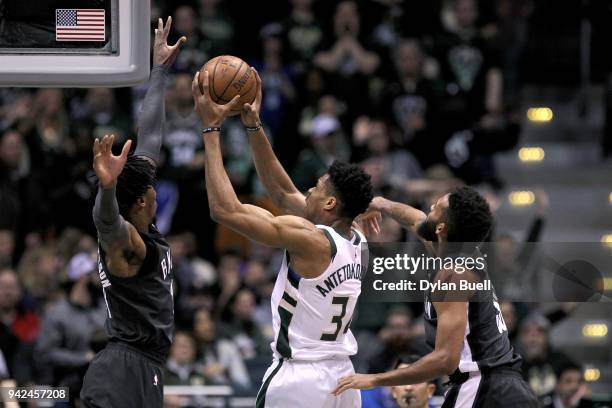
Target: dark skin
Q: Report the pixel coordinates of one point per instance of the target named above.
(299, 235)
(451, 308)
(124, 257)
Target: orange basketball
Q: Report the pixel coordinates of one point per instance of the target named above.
(229, 76)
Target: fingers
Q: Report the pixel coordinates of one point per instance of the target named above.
(167, 27)
(195, 86)
(343, 385)
(259, 96)
(96, 146)
(234, 103)
(179, 43)
(160, 27)
(126, 149)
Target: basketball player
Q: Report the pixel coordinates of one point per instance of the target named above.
(134, 260)
(320, 276)
(468, 334)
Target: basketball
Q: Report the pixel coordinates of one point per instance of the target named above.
(230, 76)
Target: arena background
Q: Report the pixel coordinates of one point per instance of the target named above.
(511, 96)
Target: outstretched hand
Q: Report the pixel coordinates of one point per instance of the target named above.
(106, 165)
(356, 381)
(164, 54)
(211, 114)
(250, 111)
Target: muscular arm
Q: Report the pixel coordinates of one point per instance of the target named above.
(285, 196)
(299, 236)
(152, 117)
(408, 217)
(452, 319)
(283, 193)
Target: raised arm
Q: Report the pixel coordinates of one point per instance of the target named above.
(408, 217)
(117, 237)
(153, 114)
(299, 236)
(283, 193)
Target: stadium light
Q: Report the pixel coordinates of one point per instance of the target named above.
(595, 330)
(607, 240)
(540, 114)
(592, 374)
(531, 154)
(610, 198)
(607, 284)
(521, 198)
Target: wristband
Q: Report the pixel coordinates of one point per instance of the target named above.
(253, 129)
(211, 129)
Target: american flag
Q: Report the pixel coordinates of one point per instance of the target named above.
(80, 25)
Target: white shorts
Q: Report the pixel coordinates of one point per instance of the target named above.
(308, 384)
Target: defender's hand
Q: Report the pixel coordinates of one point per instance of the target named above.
(211, 114)
(356, 381)
(106, 165)
(370, 222)
(163, 54)
(250, 111)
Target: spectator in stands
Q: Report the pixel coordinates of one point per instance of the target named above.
(346, 60)
(242, 328)
(514, 271)
(39, 270)
(196, 51)
(470, 67)
(19, 328)
(181, 178)
(411, 101)
(327, 144)
(396, 337)
(181, 368)
(401, 396)
(217, 26)
(72, 328)
(541, 364)
(302, 33)
(277, 86)
(374, 138)
(193, 275)
(571, 390)
(101, 111)
(220, 359)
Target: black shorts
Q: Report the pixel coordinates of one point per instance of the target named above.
(499, 388)
(121, 376)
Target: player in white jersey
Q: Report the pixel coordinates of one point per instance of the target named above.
(320, 278)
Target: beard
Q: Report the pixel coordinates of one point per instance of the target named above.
(427, 230)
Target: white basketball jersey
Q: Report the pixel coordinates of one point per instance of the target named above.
(311, 317)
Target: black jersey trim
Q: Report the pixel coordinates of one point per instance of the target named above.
(261, 395)
(332, 244)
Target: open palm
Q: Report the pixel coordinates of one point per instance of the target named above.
(162, 52)
(106, 165)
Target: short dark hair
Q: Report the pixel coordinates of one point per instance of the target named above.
(409, 359)
(134, 181)
(568, 366)
(469, 217)
(353, 186)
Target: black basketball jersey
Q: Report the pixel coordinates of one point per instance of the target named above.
(140, 309)
(486, 344)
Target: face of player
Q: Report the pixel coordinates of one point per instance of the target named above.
(414, 395)
(319, 202)
(434, 227)
(569, 383)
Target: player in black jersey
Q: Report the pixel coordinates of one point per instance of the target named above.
(465, 329)
(134, 260)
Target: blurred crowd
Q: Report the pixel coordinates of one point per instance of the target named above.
(422, 94)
